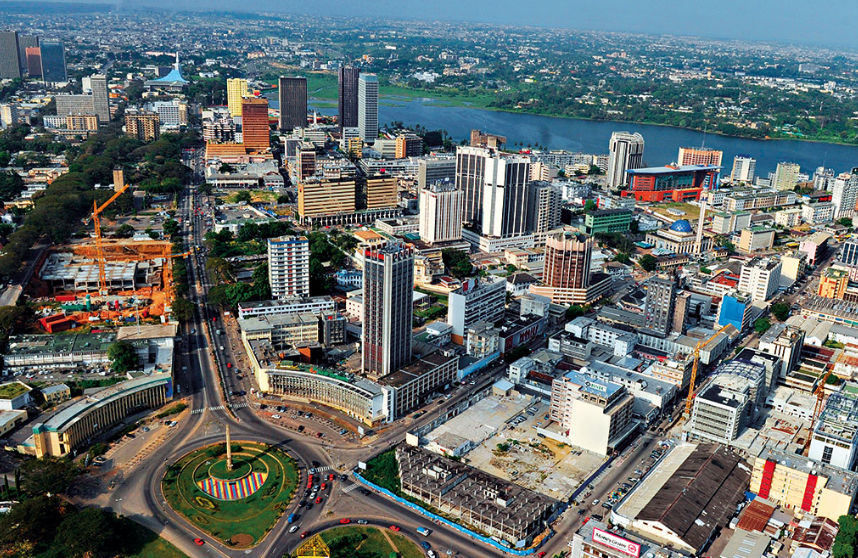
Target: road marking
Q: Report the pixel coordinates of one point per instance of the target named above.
(349, 488)
(220, 408)
(323, 469)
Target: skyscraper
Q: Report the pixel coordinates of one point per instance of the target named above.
(567, 260)
(388, 283)
(660, 304)
(10, 66)
(25, 42)
(699, 156)
(236, 90)
(347, 105)
(844, 194)
(470, 178)
(34, 61)
(53, 62)
(505, 196)
(544, 207)
(97, 86)
(440, 213)
(368, 107)
(786, 176)
(293, 102)
(289, 266)
(744, 168)
(254, 123)
(625, 152)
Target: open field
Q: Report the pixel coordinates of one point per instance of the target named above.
(345, 542)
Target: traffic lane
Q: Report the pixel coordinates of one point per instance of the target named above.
(294, 541)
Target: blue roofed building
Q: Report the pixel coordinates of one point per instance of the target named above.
(173, 81)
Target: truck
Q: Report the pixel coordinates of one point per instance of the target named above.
(423, 531)
(292, 518)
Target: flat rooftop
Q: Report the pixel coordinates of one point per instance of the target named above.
(839, 480)
(59, 343)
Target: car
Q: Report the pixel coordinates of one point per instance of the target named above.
(425, 545)
(580, 511)
(302, 503)
(199, 542)
(324, 486)
(314, 463)
(331, 476)
(319, 434)
(364, 491)
(394, 528)
(310, 506)
(345, 521)
(293, 528)
(541, 554)
(313, 468)
(596, 502)
(301, 428)
(305, 534)
(362, 521)
(344, 477)
(319, 500)
(276, 417)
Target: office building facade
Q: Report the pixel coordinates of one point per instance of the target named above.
(53, 55)
(441, 213)
(544, 207)
(760, 278)
(347, 96)
(660, 304)
(786, 176)
(293, 102)
(10, 66)
(567, 261)
(33, 60)
(254, 124)
(236, 90)
(699, 156)
(844, 194)
(96, 86)
(475, 301)
(388, 283)
(74, 104)
(744, 169)
(142, 125)
(471, 165)
(625, 152)
(368, 107)
(289, 266)
(27, 42)
(505, 196)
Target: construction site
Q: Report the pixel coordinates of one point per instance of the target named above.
(103, 282)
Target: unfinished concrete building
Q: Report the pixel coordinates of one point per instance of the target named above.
(66, 272)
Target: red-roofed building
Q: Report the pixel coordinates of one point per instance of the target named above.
(756, 516)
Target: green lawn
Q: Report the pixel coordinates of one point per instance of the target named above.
(369, 542)
(12, 390)
(238, 523)
(151, 545)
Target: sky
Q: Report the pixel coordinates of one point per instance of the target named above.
(821, 22)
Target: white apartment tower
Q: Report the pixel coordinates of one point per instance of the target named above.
(625, 152)
(441, 212)
(97, 85)
(289, 266)
(368, 107)
(760, 278)
(744, 169)
(844, 194)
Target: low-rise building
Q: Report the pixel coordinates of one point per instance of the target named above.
(282, 330)
(15, 395)
(56, 393)
(833, 440)
(288, 305)
(607, 221)
(756, 239)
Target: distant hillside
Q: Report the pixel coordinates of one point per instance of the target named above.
(52, 8)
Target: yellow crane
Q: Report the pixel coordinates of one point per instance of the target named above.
(99, 250)
(690, 400)
(817, 407)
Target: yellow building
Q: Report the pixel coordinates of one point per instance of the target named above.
(381, 192)
(326, 197)
(82, 122)
(803, 486)
(56, 394)
(236, 88)
(143, 125)
(833, 283)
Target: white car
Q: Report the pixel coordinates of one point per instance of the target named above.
(293, 528)
(596, 502)
(276, 416)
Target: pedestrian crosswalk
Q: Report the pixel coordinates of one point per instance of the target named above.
(219, 408)
(324, 468)
(349, 488)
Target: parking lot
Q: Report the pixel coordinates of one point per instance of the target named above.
(307, 423)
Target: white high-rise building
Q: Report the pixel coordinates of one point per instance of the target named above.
(744, 169)
(368, 107)
(786, 176)
(544, 207)
(760, 278)
(505, 196)
(823, 178)
(470, 178)
(97, 86)
(844, 194)
(625, 152)
(8, 115)
(441, 212)
(289, 266)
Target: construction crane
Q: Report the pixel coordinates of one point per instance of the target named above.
(697, 347)
(96, 211)
(817, 407)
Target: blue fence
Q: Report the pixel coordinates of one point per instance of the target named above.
(478, 365)
(447, 522)
(587, 482)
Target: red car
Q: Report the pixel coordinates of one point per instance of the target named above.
(541, 554)
(324, 486)
(319, 434)
(305, 534)
(319, 500)
(331, 477)
(394, 528)
(345, 521)
(199, 542)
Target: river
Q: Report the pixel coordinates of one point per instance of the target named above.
(661, 143)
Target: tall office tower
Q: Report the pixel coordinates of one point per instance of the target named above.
(849, 253)
(53, 62)
(823, 178)
(699, 156)
(236, 90)
(254, 123)
(660, 304)
(744, 169)
(681, 312)
(544, 207)
(347, 98)
(786, 176)
(844, 194)
(567, 260)
(293, 102)
(505, 196)
(33, 57)
(97, 85)
(470, 178)
(10, 66)
(368, 107)
(625, 152)
(25, 42)
(289, 266)
(142, 125)
(388, 284)
(441, 213)
(441, 168)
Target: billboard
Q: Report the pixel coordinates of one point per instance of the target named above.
(617, 543)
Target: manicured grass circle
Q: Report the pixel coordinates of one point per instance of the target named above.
(241, 467)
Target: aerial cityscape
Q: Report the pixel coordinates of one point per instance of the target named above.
(301, 285)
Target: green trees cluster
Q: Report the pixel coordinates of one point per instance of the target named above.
(458, 263)
(230, 295)
(648, 262)
(846, 543)
(780, 310)
(123, 357)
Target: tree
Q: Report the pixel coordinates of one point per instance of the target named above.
(594, 170)
(457, 262)
(762, 325)
(243, 197)
(89, 532)
(780, 310)
(575, 311)
(648, 262)
(516, 353)
(217, 295)
(123, 357)
(183, 309)
(590, 206)
(634, 227)
(847, 538)
(49, 475)
(283, 198)
(845, 221)
(171, 227)
(34, 520)
(125, 231)
(10, 185)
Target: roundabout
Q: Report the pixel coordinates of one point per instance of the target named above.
(237, 496)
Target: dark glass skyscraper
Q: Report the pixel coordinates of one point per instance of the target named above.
(10, 64)
(348, 97)
(293, 102)
(25, 42)
(53, 62)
